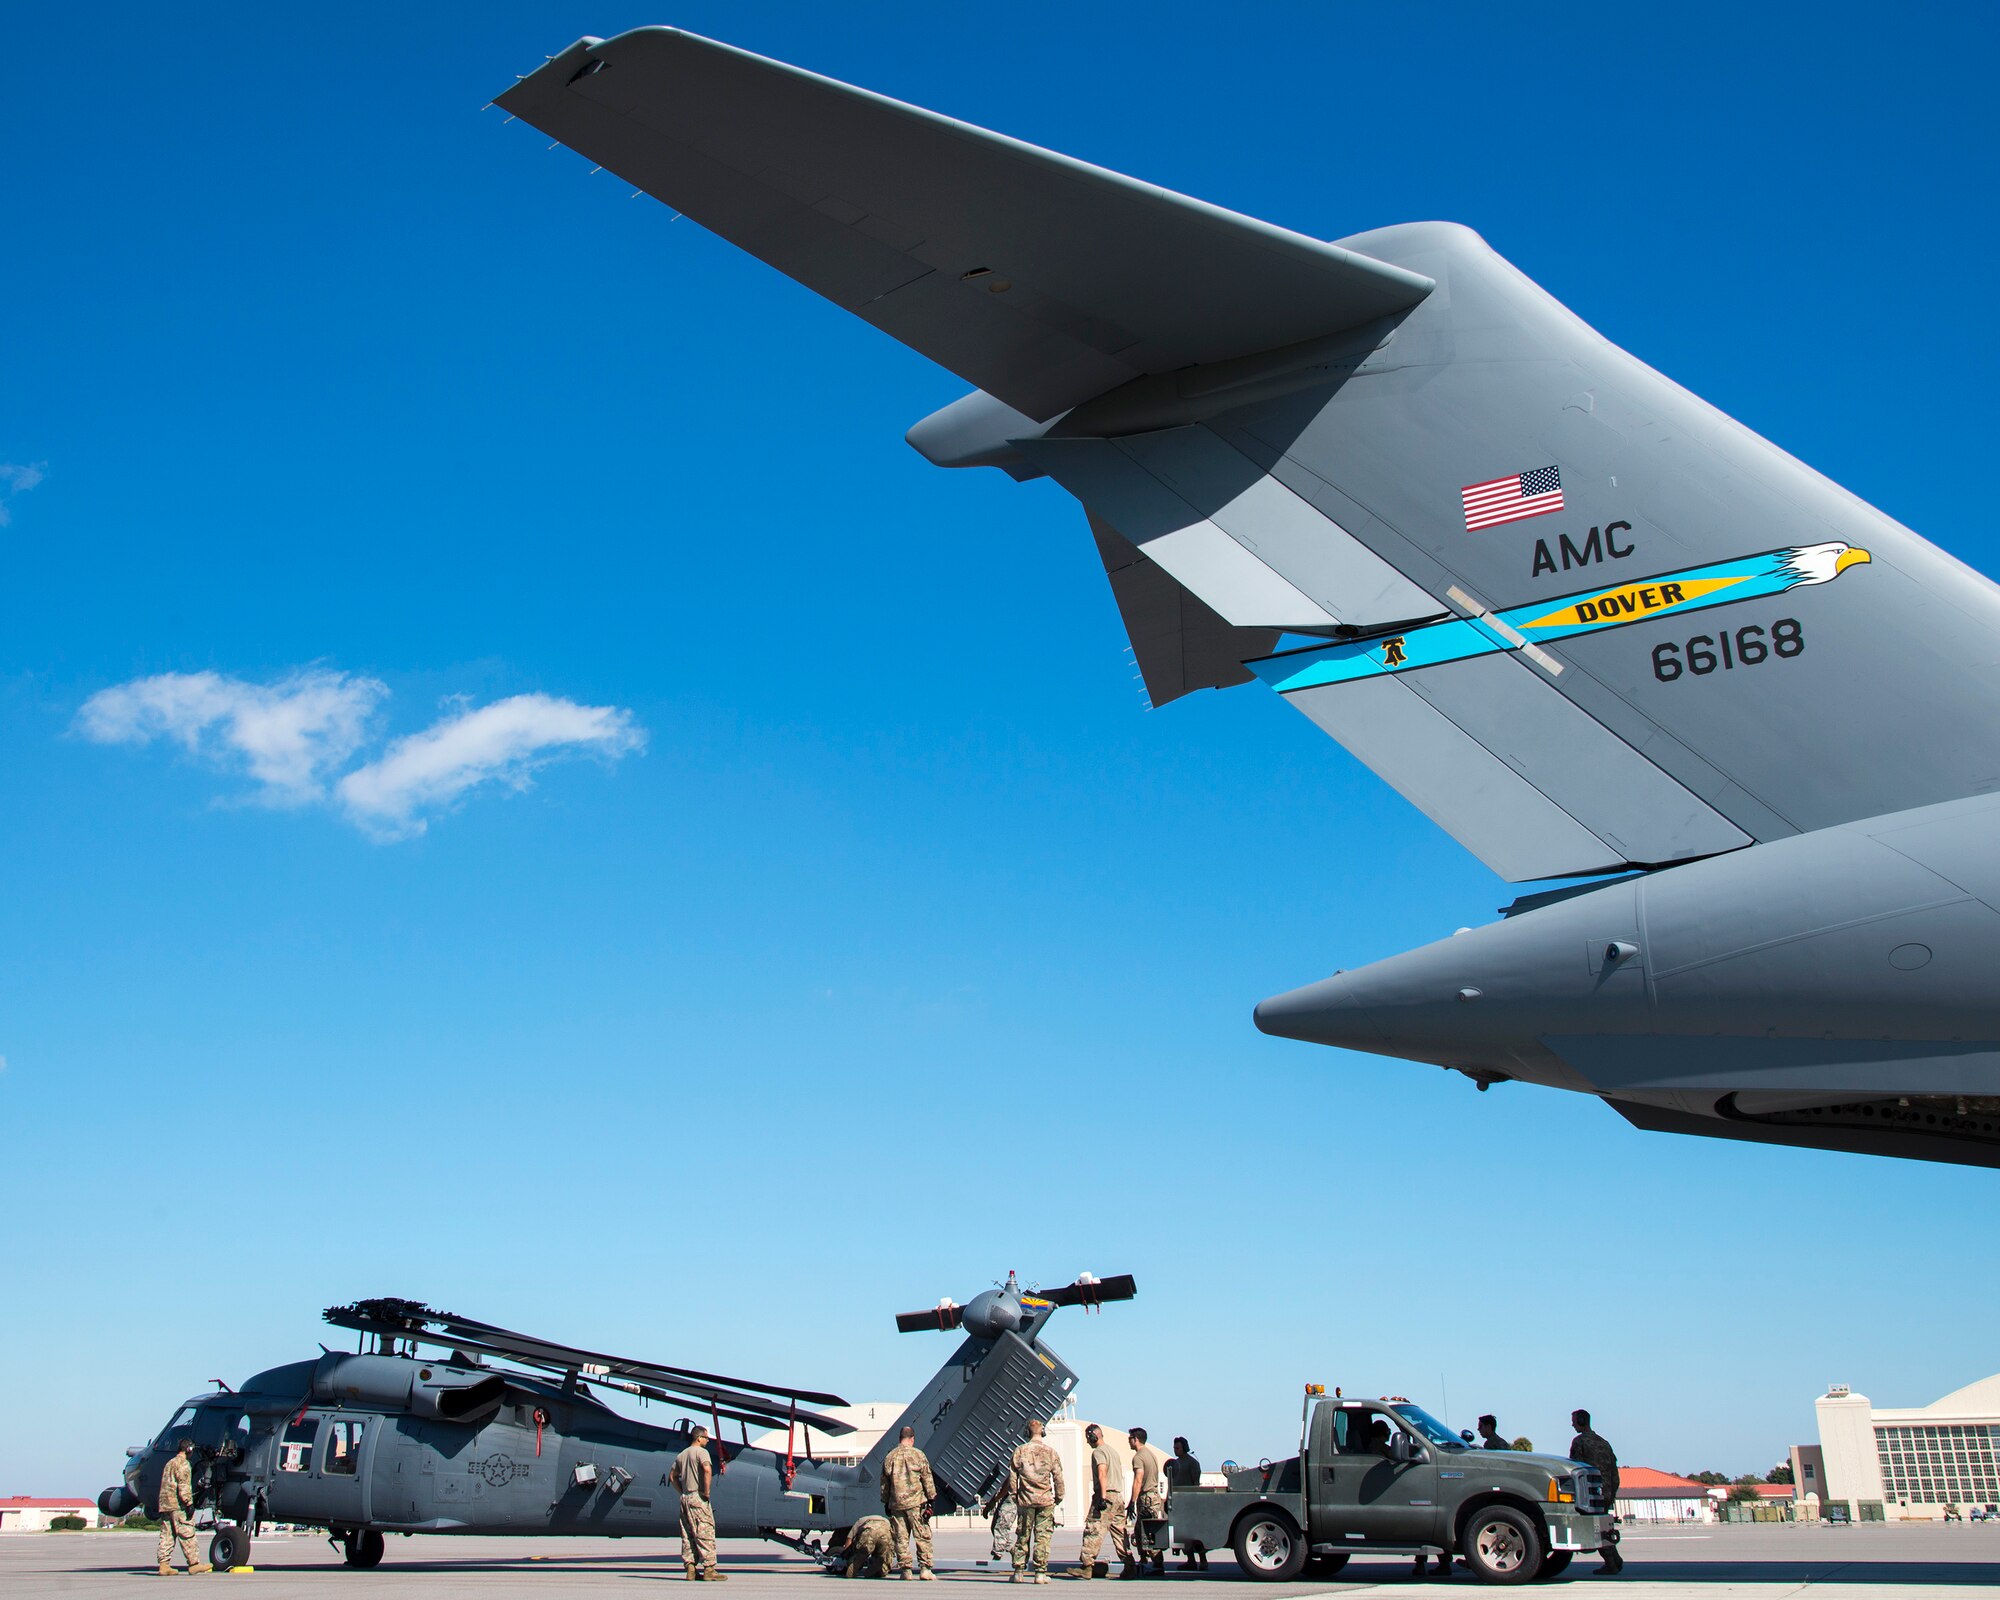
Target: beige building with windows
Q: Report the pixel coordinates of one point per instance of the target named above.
(1909, 1464)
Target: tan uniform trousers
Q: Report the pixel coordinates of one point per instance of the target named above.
(175, 1525)
(914, 1526)
(697, 1536)
(1107, 1516)
(1031, 1538)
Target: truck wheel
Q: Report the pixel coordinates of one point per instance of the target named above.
(1269, 1548)
(1324, 1566)
(1556, 1563)
(363, 1549)
(230, 1547)
(1502, 1546)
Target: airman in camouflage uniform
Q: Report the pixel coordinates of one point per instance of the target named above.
(1107, 1504)
(176, 1508)
(1001, 1513)
(1036, 1482)
(1594, 1450)
(907, 1492)
(869, 1548)
(692, 1477)
(1149, 1502)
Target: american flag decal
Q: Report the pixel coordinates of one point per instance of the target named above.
(1511, 499)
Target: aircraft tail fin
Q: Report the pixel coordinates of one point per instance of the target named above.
(1582, 620)
(970, 1417)
(1040, 279)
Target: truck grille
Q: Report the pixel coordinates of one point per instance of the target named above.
(1590, 1490)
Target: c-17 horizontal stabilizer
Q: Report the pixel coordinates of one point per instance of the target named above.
(1041, 279)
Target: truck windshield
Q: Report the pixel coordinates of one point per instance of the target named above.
(1429, 1426)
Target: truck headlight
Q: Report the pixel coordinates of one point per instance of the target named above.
(1562, 1491)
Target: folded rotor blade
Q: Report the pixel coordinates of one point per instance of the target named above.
(1121, 1287)
(931, 1321)
(410, 1319)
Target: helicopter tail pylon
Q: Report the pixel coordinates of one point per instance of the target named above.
(970, 1416)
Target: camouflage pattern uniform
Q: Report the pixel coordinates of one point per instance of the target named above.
(176, 1502)
(1037, 1484)
(870, 1548)
(1107, 1510)
(692, 1476)
(1149, 1500)
(1000, 1512)
(907, 1491)
(1594, 1450)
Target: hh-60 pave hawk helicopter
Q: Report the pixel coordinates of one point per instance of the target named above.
(382, 1440)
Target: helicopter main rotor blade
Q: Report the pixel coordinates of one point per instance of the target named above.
(1121, 1287)
(945, 1317)
(411, 1319)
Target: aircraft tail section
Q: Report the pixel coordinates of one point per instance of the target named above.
(970, 1416)
(1581, 619)
(1578, 617)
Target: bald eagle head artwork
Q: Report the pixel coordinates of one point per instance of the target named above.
(1816, 563)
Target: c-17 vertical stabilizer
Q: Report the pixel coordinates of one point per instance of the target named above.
(1584, 621)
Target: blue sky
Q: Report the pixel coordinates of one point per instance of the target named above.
(730, 891)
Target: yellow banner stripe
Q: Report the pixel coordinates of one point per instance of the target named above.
(1632, 600)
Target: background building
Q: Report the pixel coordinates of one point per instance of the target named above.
(1911, 1463)
(24, 1513)
(1648, 1495)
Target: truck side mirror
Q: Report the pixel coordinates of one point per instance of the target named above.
(1403, 1448)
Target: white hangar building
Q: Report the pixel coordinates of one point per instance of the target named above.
(1911, 1463)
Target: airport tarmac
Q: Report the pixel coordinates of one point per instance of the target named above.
(1932, 1561)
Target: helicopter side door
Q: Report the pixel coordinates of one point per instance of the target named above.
(324, 1464)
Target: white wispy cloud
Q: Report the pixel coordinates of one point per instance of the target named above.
(288, 736)
(292, 738)
(502, 743)
(18, 478)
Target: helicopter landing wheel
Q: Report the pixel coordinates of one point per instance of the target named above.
(230, 1547)
(362, 1549)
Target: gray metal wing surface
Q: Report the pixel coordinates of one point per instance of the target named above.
(1041, 279)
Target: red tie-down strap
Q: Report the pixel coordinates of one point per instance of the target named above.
(541, 1421)
(715, 1433)
(791, 1463)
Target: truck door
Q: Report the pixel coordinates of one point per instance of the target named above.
(1361, 1494)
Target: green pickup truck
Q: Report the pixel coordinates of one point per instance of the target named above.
(1386, 1476)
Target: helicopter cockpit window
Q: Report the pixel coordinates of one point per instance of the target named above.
(343, 1446)
(295, 1453)
(183, 1420)
(215, 1426)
